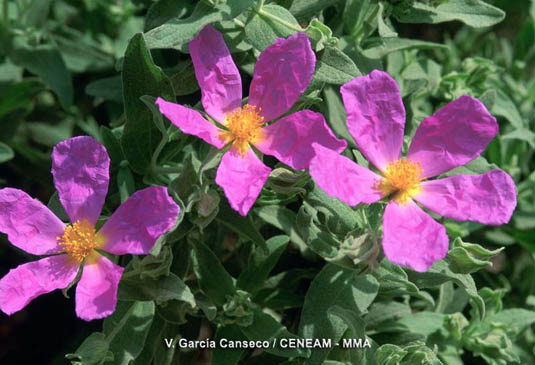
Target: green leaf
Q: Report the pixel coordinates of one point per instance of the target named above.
(382, 27)
(184, 80)
(414, 353)
(360, 18)
(155, 342)
(424, 323)
(475, 13)
(242, 225)
(505, 107)
(466, 258)
(383, 311)
(185, 185)
(125, 183)
(175, 33)
(357, 328)
(18, 96)
(227, 356)
(394, 282)
(113, 145)
(154, 266)
(319, 241)
(10, 72)
(339, 217)
(141, 77)
(55, 206)
(109, 88)
(491, 342)
(284, 219)
(48, 64)
(238, 309)
(214, 280)
(335, 67)
(268, 24)
(162, 289)
(127, 329)
(390, 45)
(261, 263)
(36, 13)
(475, 167)
(440, 273)
(50, 135)
(521, 134)
(266, 328)
(335, 114)
(334, 285)
(320, 35)
(303, 9)
(516, 319)
(94, 350)
(6, 153)
(164, 10)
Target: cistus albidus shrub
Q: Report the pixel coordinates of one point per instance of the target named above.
(267, 182)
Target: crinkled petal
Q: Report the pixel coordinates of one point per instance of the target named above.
(375, 116)
(216, 73)
(242, 178)
(96, 292)
(290, 138)
(136, 225)
(26, 282)
(342, 178)
(190, 121)
(488, 198)
(29, 224)
(453, 136)
(411, 237)
(281, 74)
(80, 167)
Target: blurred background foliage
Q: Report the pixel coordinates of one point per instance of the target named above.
(77, 67)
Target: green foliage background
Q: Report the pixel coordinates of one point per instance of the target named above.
(301, 264)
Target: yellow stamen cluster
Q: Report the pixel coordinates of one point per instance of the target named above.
(244, 127)
(79, 239)
(403, 178)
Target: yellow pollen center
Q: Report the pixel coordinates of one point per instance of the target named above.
(79, 239)
(403, 178)
(244, 127)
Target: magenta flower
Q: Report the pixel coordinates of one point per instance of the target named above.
(282, 73)
(80, 169)
(453, 136)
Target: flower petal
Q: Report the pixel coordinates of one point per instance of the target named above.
(26, 282)
(80, 167)
(96, 292)
(411, 237)
(216, 73)
(281, 74)
(242, 178)
(290, 138)
(375, 116)
(190, 121)
(342, 178)
(453, 136)
(488, 198)
(136, 225)
(29, 224)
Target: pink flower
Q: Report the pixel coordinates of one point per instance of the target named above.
(282, 73)
(453, 136)
(80, 169)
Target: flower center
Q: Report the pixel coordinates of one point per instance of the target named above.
(402, 177)
(244, 128)
(79, 239)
